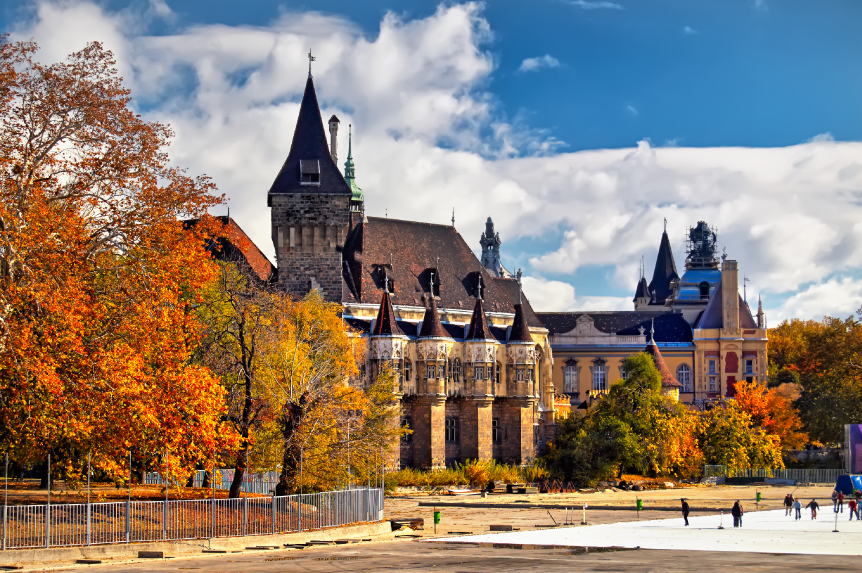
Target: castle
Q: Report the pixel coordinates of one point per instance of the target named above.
(474, 362)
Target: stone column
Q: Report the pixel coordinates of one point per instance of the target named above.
(518, 433)
(476, 429)
(429, 438)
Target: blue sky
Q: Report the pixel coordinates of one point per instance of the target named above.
(743, 112)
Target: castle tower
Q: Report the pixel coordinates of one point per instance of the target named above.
(491, 242)
(310, 208)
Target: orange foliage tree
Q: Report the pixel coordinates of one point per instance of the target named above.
(97, 274)
(772, 412)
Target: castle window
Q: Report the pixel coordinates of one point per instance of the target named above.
(452, 428)
(600, 377)
(495, 430)
(570, 375)
(309, 172)
(531, 375)
(456, 371)
(480, 373)
(683, 375)
(408, 366)
(704, 290)
(712, 378)
(431, 371)
(443, 370)
(497, 372)
(749, 367)
(519, 374)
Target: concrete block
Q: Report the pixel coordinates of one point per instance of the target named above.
(151, 554)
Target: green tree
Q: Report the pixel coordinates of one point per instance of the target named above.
(727, 437)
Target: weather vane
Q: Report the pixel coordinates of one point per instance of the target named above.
(310, 59)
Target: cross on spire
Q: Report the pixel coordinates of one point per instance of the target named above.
(453, 216)
(310, 59)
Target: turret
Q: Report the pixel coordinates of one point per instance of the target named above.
(664, 277)
(761, 318)
(491, 242)
(333, 138)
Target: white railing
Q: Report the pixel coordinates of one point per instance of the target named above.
(815, 476)
(60, 525)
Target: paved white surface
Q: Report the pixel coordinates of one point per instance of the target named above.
(763, 532)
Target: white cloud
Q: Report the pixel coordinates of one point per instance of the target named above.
(415, 96)
(760, 5)
(535, 64)
(839, 297)
(821, 138)
(593, 4)
(632, 110)
(690, 31)
(161, 9)
(549, 296)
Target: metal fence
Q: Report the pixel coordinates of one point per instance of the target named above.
(263, 482)
(815, 476)
(27, 526)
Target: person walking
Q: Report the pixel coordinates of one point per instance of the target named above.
(858, 495)
(854, 509)
(685, 510)
(835, 501)
(736, 512)
(788, 504)
(813, 506)
(797, 505)
(841, 501)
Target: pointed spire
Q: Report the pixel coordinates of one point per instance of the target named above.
(350, 170)
(310, 59)
(665, 272)
(386, 324)
(761, 318)
(668, 380)
(479, 329)
(520, 330)
(309, 146)
(453, 216)
(431, 326)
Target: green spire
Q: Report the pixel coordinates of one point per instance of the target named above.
(349, 172)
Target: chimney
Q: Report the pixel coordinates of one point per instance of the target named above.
(730, 295)
(333, 138)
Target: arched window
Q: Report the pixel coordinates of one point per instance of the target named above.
(497, 372)
(456, 371)
(683, 376)
(704, 290)
(571, 378)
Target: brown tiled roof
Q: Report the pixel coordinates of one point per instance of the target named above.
(386, 323)
(667, 379)
(431, 326)
(413, 249)
(309, 144)
(713, 314)
(669, 326)
(511, 288)
(233, 245)
(520, 331)
(479, 324)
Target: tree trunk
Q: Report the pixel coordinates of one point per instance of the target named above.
(207, 479)
(291, 459)
(236, 484)
(43, 475)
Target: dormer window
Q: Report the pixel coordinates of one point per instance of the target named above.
(309, 172)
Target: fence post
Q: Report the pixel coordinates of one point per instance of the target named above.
(299, 511)
(48, 508)
(244, 515)
(5, 500)
(273, 515)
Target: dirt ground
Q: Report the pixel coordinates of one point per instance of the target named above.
(476, 514)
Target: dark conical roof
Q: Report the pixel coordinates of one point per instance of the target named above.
(642, 290)
(431, 327)
(309, 144)
(479, 329)
(664, 273)
(386, 324)
(667, 378)
(520, 331)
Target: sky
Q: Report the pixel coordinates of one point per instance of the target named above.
(579, 126)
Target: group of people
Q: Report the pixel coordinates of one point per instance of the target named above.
(794, 506)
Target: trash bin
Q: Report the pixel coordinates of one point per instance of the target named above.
(758, 497)
(640, 504)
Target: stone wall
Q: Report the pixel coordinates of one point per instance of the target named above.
(308, 232)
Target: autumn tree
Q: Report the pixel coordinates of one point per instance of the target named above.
(727, 436)
(309, 359)
(773, 412)
(826, 358)
(97, 274)
(239, 310)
